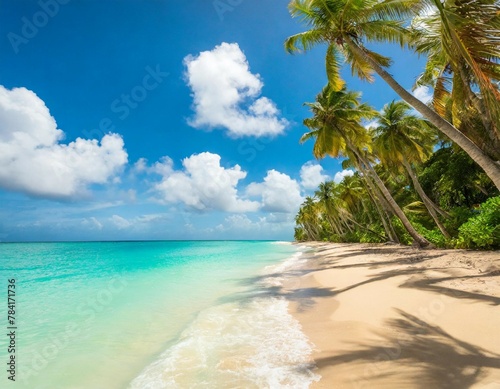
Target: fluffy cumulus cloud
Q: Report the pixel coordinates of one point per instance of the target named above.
(339, 176)
(279, 192)
(311, 175)
(32, 159)
(203, 184)
(226, 94)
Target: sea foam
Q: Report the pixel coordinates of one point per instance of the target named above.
(252, 342)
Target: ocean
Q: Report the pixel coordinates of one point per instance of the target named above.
(151, 315)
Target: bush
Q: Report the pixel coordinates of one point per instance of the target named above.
(483, 230)
(434, 236)
(459, 216)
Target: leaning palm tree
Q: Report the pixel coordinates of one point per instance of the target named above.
(344, 25)
(462, 42)
(308, 219)
(402, 140)
(330, 207)
(350, 195)
(376, 198)
(337, 131)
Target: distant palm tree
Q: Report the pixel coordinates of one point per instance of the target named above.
(344, 24)
(307, 218)
(403, 139)
(337, 131)
(330, 207)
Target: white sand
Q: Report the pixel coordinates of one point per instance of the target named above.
(396, 317)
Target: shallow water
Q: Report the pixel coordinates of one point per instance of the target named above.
(154, 315)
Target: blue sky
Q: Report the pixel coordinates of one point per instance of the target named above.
(159, 119)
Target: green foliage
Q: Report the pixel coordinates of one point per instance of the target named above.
(483, 230)
(453, 179)
(403, 235)
(368, 237)
(299, 235)
(434, 236)
(458, 216)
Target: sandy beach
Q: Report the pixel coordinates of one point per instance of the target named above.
(389, 316)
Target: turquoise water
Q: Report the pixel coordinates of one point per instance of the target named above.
(153, 315)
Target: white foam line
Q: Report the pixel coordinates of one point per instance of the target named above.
(259, 345)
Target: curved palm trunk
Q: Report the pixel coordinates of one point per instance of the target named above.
(422, 194)
(490, 167)
(424, 198)
(384, 217)
(334, 224)
(365, 228)
(418, 239)
(308, 228)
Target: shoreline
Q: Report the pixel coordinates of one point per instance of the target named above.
(391, 316)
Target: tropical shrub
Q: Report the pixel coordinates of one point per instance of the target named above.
(482, 231)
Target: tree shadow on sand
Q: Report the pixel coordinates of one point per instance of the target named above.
(271, 285)
(429, 357)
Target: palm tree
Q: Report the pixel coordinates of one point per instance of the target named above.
(344, 24)
(382, 207)
(336, 127)
(462, 39)
(349, 195)
(403, 139)
(330, 207)
(462, 44)
(307, 218)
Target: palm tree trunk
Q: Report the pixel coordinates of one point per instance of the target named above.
(382, 213)
(333, 224)
(422, 194)
(490, 167)
(366, 228)
(381, 209)
(417, 238)
(424, 198)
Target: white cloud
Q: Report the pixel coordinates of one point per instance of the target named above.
(226, 94)
(423, 93)
(273, 222)
(339, 176)
(152, 218)
(371, 124)
(32, 159)
(92, 223)
(240, 222)
(311, 175)
(140, 166)
(203, 184)
(120, 222)
(279, 192)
